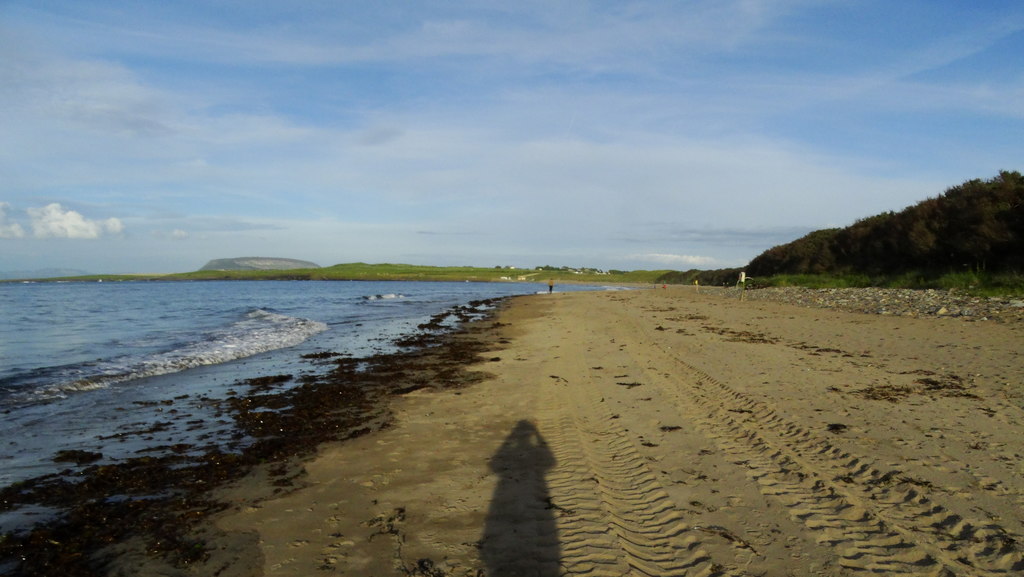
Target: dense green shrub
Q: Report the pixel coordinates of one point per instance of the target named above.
(974, 228)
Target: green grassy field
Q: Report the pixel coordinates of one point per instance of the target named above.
(401, 272)
(980, 284)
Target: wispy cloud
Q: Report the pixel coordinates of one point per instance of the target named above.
(581, 34)
(675, 260)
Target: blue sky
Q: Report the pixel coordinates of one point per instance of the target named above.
(151, 136)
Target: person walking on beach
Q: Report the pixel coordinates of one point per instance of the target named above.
(551, 285)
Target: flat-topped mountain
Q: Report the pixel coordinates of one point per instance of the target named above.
(257, 263)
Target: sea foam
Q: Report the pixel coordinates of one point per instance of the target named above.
(260, 331)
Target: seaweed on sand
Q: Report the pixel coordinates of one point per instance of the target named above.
(162, 501)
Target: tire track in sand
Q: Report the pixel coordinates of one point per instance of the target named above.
(614, 516)
(876, 520)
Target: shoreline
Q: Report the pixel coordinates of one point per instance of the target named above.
(280, 420)
(730, 437)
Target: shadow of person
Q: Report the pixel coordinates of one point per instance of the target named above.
(520, 537)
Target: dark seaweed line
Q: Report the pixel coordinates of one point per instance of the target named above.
(162, 499)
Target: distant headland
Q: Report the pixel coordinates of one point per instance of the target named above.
(257, 263)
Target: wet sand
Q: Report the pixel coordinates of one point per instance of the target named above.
(660, 432)
(148, 514)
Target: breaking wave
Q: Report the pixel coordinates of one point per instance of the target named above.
(258, 332)
(389, 296)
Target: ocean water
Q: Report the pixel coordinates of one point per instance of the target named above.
(99, 367)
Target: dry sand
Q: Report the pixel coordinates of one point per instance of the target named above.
(660, 432)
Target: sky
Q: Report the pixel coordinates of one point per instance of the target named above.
(148, 136)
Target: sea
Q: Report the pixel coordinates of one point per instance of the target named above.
(124, 369)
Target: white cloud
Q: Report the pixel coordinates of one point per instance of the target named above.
(178, 234)
(55, 221)
(9, 229)
(674, 259)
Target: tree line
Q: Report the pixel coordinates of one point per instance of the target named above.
(977, 226)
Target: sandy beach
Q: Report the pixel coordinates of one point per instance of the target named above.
(663, 432)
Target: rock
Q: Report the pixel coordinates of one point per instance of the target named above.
(890, 302)
(77, 457)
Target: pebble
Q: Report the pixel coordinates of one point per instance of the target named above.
(895, 302)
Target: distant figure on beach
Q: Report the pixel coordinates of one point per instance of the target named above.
(551, 285)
